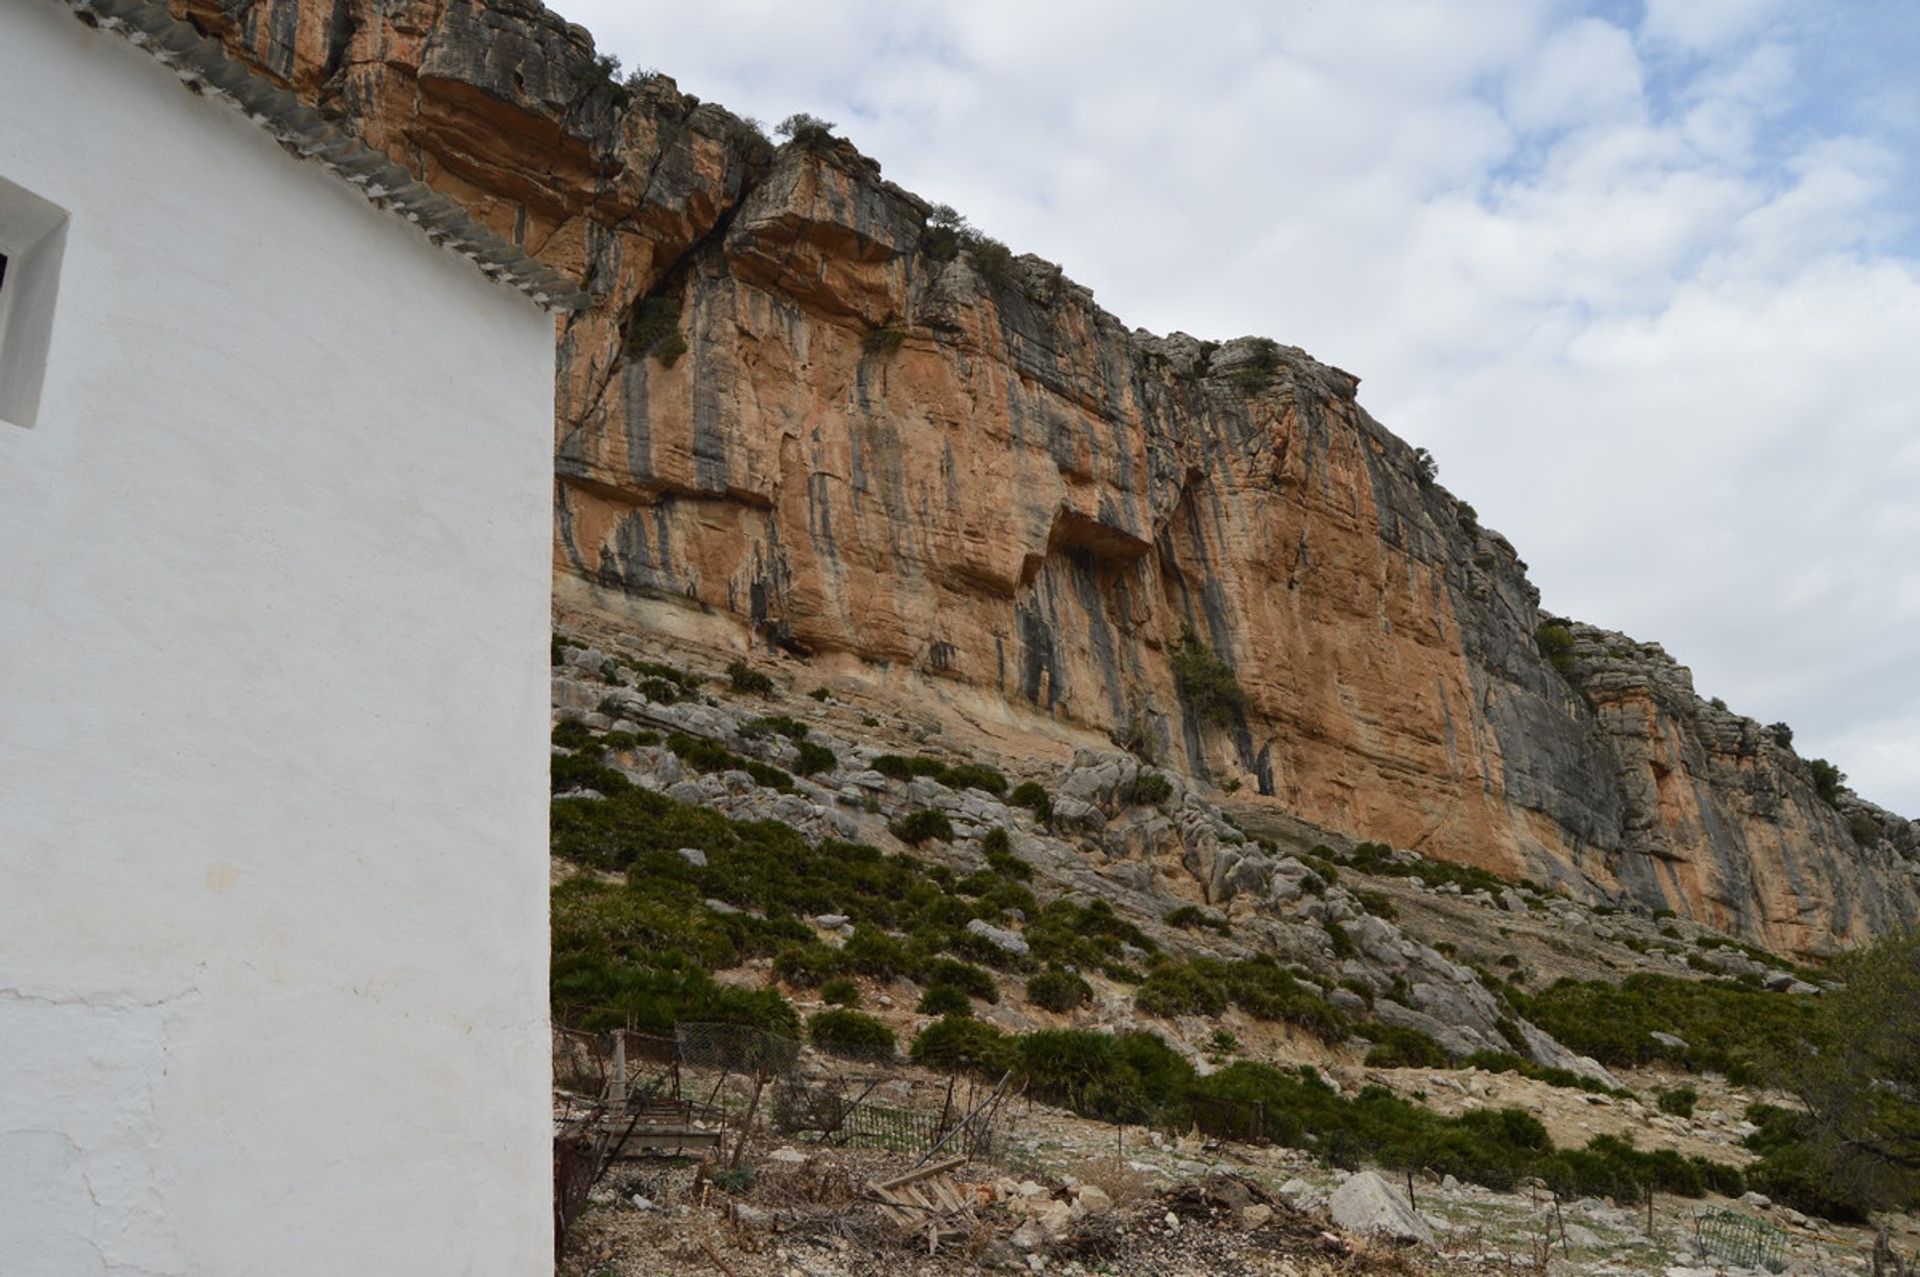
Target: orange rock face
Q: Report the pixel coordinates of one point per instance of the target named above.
(797, 411)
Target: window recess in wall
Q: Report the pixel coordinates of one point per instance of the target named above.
(33, 238)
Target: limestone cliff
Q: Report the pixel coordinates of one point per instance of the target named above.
(799, 407)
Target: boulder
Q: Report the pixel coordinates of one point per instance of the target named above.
(999, 937)
(1368, 1205)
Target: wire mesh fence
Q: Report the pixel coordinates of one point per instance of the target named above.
(736, 1048)
(1740, 1239)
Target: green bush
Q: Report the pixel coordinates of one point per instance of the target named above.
(851, 1033)
(1174, 988)
(917, 827)
(1128, 1077)
(1206, 683)
(705, 755)
(1828, 780)
(964, 976)
(1033, 796)
(973, 776)
(872, 952)
(1194, 918)
(571, 733)
(1377, 904)
(1149, 789)
(774, 725)
(883, 341)
(1057, 990)
(944, 999)
(1396, 1047)
(1729, 1028)
(805, 965)
(1677, 1100)
(961, 1042)
(813, 759)
(806, 130)
(744, 678)
(1555, 642)
(653, 328)
(840, 992)
(952, 775)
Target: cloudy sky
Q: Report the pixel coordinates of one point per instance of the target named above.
(1643, 275)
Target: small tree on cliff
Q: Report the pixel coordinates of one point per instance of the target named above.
(806, 130)
(1861, 1131)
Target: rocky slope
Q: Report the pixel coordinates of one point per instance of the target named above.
(799, 416)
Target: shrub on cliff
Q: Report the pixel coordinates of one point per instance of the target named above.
(1555, 642)
(1827, 780)
(653, 328)
(854, 1034)
(944, 1000)
(744, 678)
(917, 827)
(811, 759)
(1057, 990)
(1395, 1047)
(1149, 789)
(1194, 918)
(1206, 683)
(961, 1042)
(806, 130)
(1033, 796)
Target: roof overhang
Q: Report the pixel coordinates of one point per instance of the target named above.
(203, 64)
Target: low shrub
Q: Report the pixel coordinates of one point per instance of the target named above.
(1194, 918)
(854, 1034)
(917, 827)
(961, 1042)
(1033, 796)
(1206, 683)
(774, 725)
(744, 678)
(1729, 1027)
(812, 759)
(944, 999)
(1677, 1100)
(840, 992)
(1396, 1047)
(1058, 990)
(1149, 789)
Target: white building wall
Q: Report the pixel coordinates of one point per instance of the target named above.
(274, 564)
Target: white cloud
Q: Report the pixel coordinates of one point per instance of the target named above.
(1649, 318)
(1706, 26)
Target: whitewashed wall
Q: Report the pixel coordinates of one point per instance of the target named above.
(273, 613)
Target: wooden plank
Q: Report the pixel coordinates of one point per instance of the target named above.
(921, 1173)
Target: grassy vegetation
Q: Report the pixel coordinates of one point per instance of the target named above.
(745, 679)
(1395, 1047)
(705, 755)
(641, 951)
(1259, 986)
(1058, 990)
(1194, 918)
(1555, 642)
(854, 1034)
(1495, 1147)
(1149, 789)
(1034, 797)
(952, 775)
(1378, 859)
(1729, 1027)
(922, 826)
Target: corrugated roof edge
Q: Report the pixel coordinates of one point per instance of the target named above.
(203, 64)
